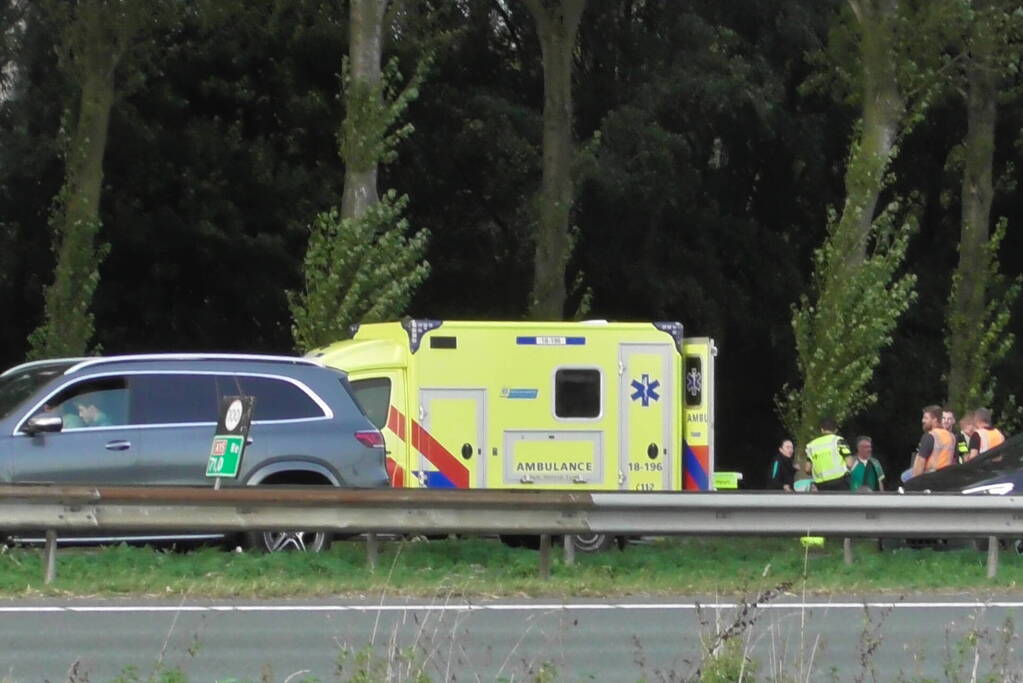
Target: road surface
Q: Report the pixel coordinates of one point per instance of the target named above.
(600, 640)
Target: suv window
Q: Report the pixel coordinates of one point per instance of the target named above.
(276, 399)
(99, 402)
(17, 387)
(577, 393)
(174, 399)
(374, 396)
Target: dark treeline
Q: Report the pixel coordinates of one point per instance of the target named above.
(711, 146)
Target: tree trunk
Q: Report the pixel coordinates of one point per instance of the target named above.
(967, 308)
(883, 108)
(365, 49)
(68, 325)
(557, 23)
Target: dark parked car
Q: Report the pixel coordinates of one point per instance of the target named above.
(150, 419)
(996, 472)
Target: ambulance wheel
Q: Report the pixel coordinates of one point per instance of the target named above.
(593, 543)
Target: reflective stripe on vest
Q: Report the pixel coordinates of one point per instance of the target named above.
(943, 453)
(989, 438)
(824, 453)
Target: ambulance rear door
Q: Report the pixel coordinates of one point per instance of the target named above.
(647, 406)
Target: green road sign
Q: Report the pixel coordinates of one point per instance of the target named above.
(230, 436)
(225, 456)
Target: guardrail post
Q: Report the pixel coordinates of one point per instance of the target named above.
(992, 557)
(50, 556)
(545, 556)
(372, 548)
(847, 550)
(569, 550)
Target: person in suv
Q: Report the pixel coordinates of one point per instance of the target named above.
(150, 419)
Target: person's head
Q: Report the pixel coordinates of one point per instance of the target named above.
(864, 447)
(982, 418)
(948, 418)
(786, 448)
(931, 418)
(966, 425)
(828, 425)
(88, 411)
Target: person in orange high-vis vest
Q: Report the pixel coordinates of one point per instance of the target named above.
(985, 437)
(937, 446)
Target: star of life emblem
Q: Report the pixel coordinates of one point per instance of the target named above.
(646, 390)
(694, 382)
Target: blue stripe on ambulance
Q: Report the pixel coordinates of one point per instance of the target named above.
(434, 479)
(550, 341)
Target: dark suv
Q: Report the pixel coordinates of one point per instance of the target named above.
(150, 419)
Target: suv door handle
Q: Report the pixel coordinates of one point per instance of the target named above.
(118, 445)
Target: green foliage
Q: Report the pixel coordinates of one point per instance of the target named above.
(366, 267)
(840, 331)
(370, 133)
(68, 322)
(363, 269)
(920, 41)
(728, 665)
(365, 665)
(978, 340)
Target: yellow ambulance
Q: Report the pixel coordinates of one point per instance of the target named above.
(592, 405)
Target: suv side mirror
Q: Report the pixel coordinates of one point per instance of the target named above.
(43, 423)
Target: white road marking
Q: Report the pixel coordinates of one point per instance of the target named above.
(501, 607)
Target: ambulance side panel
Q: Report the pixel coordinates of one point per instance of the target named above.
(517, 407)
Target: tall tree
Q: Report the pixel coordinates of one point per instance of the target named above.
(95, 36)
(363, 133)
(361, 264)
(980, 304)
(858, 295)
(557, 22)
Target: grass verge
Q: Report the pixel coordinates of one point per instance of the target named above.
(481, 568)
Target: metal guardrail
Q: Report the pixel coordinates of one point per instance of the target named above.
(57, 509)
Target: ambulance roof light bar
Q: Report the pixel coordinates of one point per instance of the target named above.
(417, 329)
(673, 329)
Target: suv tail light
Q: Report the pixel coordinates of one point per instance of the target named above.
(370, 438)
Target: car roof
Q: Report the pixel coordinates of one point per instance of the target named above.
(78, 364)
(41, 364)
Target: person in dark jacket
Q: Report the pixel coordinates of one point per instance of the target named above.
(783, 467)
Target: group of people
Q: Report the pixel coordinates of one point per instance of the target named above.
(829, 464)
(942, 445)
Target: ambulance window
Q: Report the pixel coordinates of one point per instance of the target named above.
(374, 396)
(577, 393)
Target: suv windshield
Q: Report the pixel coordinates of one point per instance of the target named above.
(17, 386)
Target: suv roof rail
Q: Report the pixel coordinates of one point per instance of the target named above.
(36, 363)
(101, 360)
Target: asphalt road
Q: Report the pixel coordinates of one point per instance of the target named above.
(590, 640)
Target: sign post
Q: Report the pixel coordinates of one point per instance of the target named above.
(229, 439)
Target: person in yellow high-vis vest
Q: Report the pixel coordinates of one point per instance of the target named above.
(828, 455)
(937, 448)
